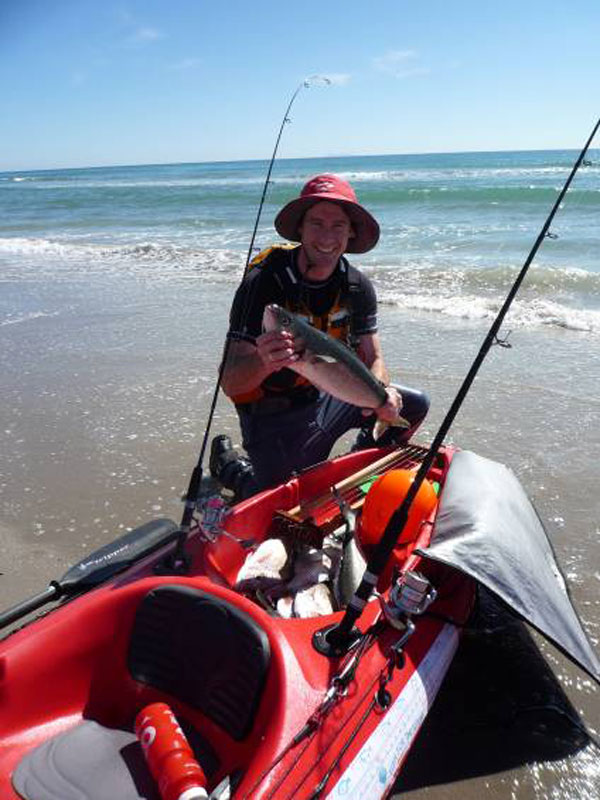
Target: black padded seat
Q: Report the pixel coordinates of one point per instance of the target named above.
(203, 651)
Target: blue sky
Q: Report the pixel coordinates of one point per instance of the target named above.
(86, 83)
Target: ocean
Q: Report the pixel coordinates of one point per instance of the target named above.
(456, 228)
(115, 285)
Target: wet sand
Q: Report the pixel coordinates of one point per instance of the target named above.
(103, 409)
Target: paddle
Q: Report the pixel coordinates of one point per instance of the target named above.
(99, 566)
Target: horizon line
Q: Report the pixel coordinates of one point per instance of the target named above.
(288, 158)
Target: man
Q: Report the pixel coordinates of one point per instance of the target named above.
(287, 424)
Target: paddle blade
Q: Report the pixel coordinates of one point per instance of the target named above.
(118, 555)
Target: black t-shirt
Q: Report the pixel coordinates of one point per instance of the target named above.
(264, 285)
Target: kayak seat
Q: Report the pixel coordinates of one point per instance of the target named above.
(203, 651)
(93, 762)
(87, 762)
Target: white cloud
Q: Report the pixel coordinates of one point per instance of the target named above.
(400, 63)
(185, 64)
(144, 34)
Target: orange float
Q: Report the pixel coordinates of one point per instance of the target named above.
(384, 497)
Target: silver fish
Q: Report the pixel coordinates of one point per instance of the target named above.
(350, 574)
(328, 364)
(350, 565)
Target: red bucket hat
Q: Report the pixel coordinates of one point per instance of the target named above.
(336, 190)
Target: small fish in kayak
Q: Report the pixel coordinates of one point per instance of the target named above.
(328, 364)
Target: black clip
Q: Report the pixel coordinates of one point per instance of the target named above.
(550, 235)
(587, 163)
(503, 342)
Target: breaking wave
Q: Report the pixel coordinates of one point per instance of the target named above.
(523, 313)
(56, 259)
(559, 297)
(17, 319)
(553, 297)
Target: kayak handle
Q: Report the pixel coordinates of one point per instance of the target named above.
(52, 592)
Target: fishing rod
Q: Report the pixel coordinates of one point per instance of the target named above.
(179, 559)
(338, 639)
(306, 84)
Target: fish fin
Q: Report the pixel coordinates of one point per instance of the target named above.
(379, 429)
(319, 359)
(381, 426)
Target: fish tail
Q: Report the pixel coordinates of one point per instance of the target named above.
(379, 429)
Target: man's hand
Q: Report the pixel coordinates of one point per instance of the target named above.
(390, 410)
(277, 349)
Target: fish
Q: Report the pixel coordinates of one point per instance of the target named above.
(350, 565)
(329, 364)
(352, 569)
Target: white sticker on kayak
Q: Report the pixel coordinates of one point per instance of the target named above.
(372, 770)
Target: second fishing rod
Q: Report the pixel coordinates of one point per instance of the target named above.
(342, 636)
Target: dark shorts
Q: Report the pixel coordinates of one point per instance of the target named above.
(284, 442)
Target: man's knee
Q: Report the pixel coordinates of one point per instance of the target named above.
(415, 403)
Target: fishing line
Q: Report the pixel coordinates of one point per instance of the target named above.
(322, 785)
(341, 636)
(313, 80)
(178, 559)
(314, 723)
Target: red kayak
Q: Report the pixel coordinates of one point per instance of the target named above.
(235, 633)
(268, 711)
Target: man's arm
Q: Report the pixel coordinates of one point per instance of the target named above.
(249, 364)
(370, 352)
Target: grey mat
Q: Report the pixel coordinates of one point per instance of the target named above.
(87, 762)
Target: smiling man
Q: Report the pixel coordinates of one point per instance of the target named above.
(287, 423)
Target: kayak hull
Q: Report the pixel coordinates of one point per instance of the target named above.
(282, 726)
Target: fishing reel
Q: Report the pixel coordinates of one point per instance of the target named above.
(411, 595)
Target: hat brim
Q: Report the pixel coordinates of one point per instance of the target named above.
(366, 228)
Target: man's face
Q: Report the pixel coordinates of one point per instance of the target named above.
(324, 236)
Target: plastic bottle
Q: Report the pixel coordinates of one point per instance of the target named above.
(169, 755)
